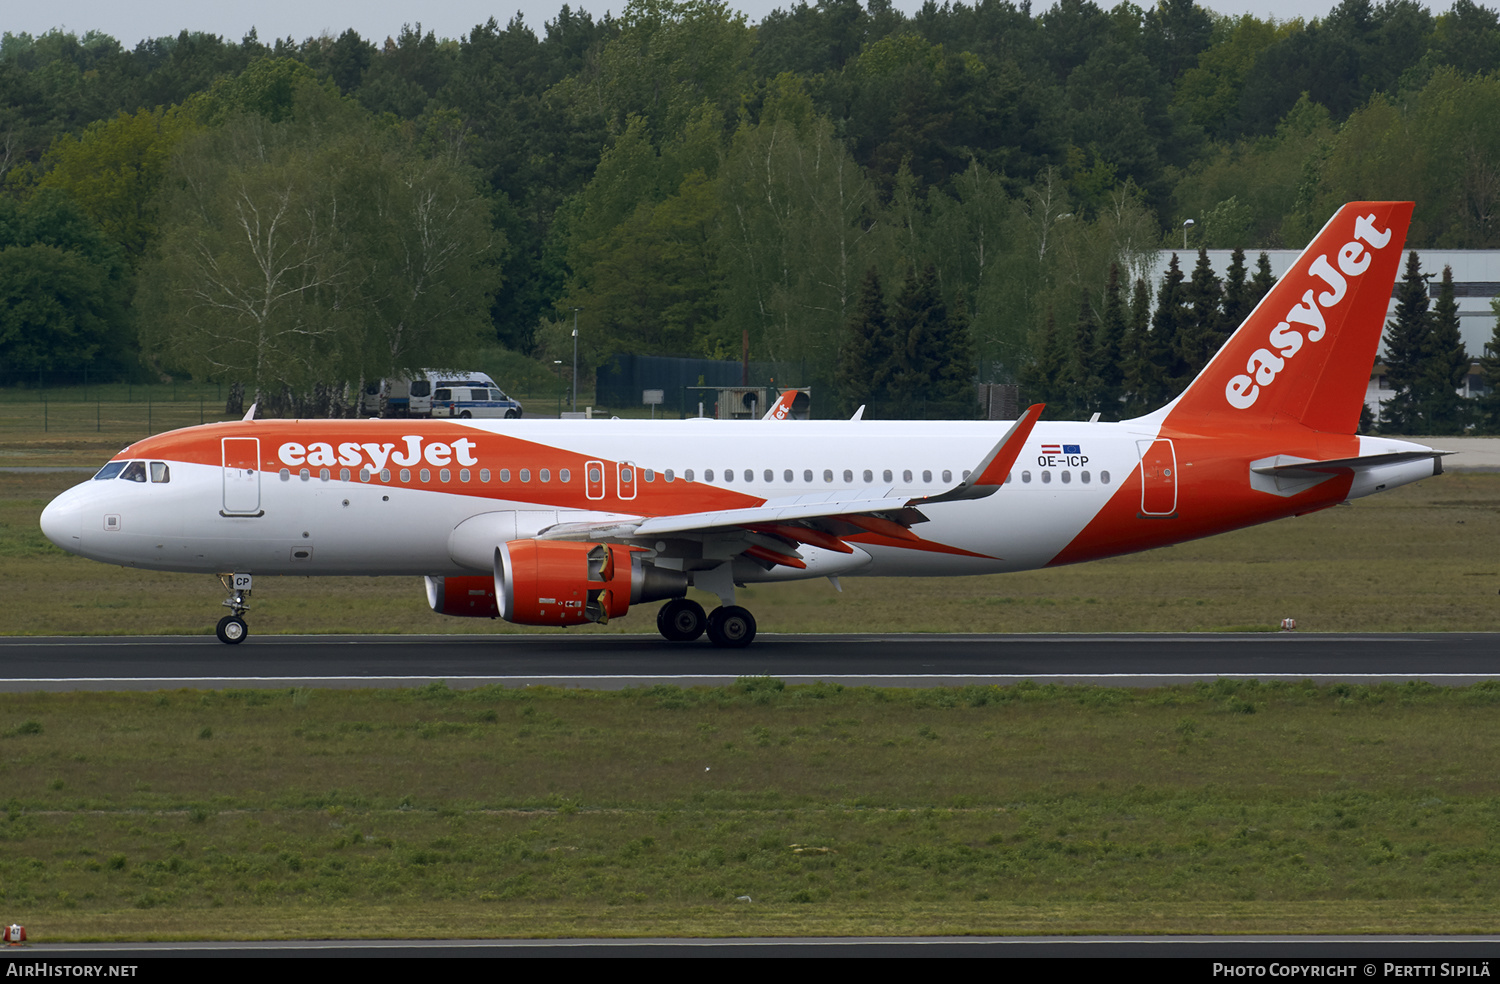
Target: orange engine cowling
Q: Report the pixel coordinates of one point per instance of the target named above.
(562, 582)
(472, 596)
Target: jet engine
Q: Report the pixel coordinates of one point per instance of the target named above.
(563, 582)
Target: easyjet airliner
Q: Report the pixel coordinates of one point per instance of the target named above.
(570, 522)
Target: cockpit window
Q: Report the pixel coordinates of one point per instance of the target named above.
(160, 472)
(134, 472)
(109, 471)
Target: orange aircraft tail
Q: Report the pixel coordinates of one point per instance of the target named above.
(1304, 355)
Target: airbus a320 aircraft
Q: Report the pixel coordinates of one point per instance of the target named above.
(571, 522)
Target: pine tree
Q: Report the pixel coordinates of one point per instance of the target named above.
(1164, 344)
(1489, 367)
(1199, 335)
(1107, 357)
(1236, 295)
(1261, 283)
(1405, 345)
(953, 395)
(914, 320)
(865, 364)
(1143, 386)
(1044, 378)
(1444, 365)
(1083, 388)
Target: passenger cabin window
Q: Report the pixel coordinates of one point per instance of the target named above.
(443, 395)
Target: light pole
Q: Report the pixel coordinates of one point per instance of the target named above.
(1186, 225)
(575, 358)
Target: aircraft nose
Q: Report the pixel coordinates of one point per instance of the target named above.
(62, 522)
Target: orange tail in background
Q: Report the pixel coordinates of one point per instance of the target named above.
(1304, 355)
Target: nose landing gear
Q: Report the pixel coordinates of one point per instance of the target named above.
(232, 629)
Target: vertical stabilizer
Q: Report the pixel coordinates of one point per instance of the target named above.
(1304, 355)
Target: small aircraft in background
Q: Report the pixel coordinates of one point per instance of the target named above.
(543, 522)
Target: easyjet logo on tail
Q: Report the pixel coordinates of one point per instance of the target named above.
(1310, 314)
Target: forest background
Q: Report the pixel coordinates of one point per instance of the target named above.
(892, 207)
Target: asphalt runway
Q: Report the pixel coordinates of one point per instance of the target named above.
(613, 661)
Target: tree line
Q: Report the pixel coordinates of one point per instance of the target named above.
(291, 212)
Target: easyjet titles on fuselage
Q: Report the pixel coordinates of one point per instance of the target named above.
(1263, 365)
(321, 454)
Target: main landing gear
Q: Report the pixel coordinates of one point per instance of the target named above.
(682, 620)
(232, 628)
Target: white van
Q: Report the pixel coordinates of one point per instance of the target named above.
(412, 396)
(472, 399)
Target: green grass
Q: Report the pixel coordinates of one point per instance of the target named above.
(1418, 558)
(1224, 807)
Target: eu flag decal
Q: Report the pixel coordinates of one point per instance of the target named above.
(1071, 449)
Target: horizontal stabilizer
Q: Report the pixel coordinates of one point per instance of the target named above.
(1293, 467)
(1288, 475)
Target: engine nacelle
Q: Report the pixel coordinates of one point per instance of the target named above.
(471, 596)
(564, 582)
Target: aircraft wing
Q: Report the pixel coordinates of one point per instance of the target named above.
(819, 519)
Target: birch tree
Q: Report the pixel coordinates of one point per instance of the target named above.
(318, 250)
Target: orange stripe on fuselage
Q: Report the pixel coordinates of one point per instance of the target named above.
(927, 546)
(202, 445)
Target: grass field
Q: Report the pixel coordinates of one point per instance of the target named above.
(752, 809)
